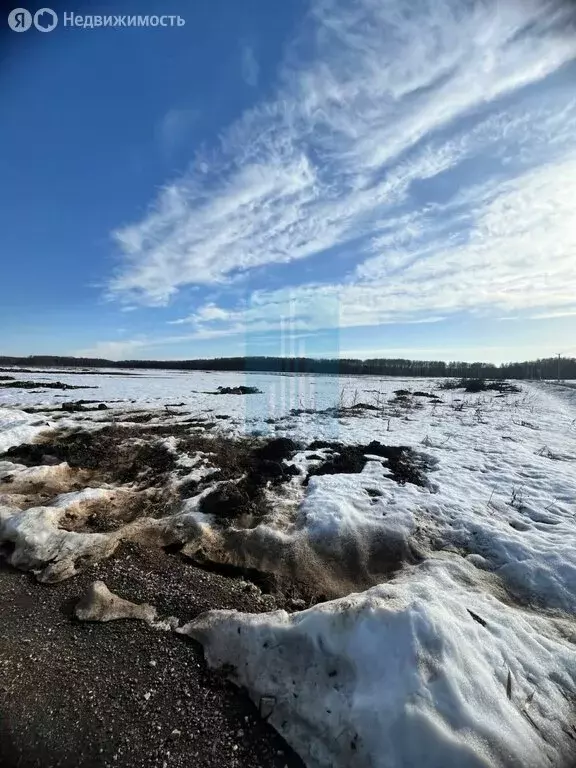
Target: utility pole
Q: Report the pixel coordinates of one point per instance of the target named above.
(559, 357)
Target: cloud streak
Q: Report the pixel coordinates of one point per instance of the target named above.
(250, 66)
(174, 129)
(418, 137)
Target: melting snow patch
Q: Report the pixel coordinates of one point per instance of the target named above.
(422, 671)
(78, 497)
(18, 427)
(36, 543)
(99, 604)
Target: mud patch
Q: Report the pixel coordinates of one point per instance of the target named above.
(337, 412)
(481, 385)
(243, 483)
(248, 468)
(139, 418)
(111, 454)
(41, 385)
(405, 465)
(237, 391)
(38, 485)
(119, 509)
(278, 449)
(145, 468)
(232, 501)
(298, 568)
(80, 405)
(236, 457)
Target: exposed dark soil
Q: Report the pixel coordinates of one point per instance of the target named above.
(131, 456)
(300, 411)
(336, 411)
(113, 454)
(80, 405)
(53, 408)
(75, 371)
(105, 515)
(75, 695)
(248, 467)
(244, 468)
(481, 385)
(41, 385)
(401, 400)
(140, 418)
(277, 449)
(238, 391)
(231, 500)
(504, 386)
(362, 407)
(241, 472)
(405, 464)
(122, 694)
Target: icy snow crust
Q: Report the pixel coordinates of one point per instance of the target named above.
(403, 675)
(466, 658)
(17, 426)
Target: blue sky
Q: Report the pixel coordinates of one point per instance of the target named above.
(364, 178)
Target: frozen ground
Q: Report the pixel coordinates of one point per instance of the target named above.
(455, 645)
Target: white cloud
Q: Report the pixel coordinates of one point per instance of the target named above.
(250, 66)
(208, 313)
(520, 255)
(174, 129)
(334, 159)
(553, 315)
(113, 350)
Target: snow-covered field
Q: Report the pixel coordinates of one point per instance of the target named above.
(461, 654)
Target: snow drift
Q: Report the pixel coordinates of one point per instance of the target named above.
(429, 670)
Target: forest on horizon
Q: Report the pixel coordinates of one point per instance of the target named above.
(545, 368)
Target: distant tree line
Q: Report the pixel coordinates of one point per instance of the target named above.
(546, 368)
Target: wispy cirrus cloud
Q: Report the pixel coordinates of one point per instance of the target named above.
(554, 315)
(113, 350)
(507, 262)
(420, 137)
(174, 129)
(250, 66)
